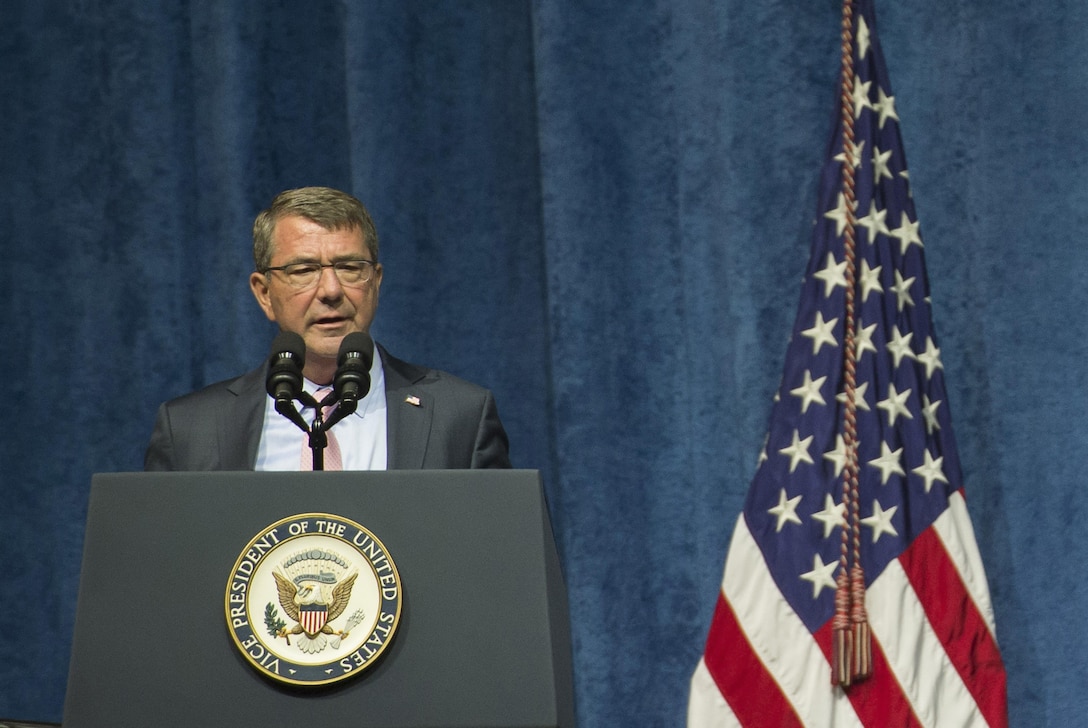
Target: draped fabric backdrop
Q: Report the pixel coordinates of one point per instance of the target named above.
(599, 210)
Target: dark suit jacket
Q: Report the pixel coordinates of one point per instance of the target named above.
(455, 424)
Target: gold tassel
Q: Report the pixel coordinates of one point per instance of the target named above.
(859, 621)
(842, 633)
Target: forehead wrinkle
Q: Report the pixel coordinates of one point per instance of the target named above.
(310, 245)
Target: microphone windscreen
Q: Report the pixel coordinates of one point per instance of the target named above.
(288, 343)
(357, 345)
(288, 354)
(352, 379)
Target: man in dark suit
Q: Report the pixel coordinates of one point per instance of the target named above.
(317, 274)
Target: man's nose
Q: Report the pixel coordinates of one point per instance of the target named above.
(328, 285)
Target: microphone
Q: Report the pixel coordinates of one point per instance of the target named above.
(286, 358)
(352, 380)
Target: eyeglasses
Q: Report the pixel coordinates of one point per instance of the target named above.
(301, 276)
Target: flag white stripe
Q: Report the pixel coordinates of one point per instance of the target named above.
(706, 706)
(958, 536)
(785, 646)
(915, 654)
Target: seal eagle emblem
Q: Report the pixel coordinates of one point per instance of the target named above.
(313, 599)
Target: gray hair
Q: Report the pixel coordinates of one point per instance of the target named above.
(329, 208)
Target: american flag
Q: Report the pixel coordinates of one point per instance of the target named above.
(935, 660)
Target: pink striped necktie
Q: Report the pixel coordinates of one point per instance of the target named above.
(333, 460)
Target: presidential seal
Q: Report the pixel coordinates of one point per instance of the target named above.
(313, 599)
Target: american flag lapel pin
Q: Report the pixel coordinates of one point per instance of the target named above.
(412, 400)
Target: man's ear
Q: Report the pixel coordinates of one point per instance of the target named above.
(258, 283)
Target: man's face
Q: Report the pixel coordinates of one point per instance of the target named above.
(323, 314)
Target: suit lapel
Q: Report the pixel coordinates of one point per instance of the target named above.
(239, 425)
(409, 413)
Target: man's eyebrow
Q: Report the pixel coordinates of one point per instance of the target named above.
(335, 259)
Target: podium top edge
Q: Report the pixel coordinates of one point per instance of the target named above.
(432, 474)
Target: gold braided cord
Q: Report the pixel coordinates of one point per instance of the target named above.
(851, 651)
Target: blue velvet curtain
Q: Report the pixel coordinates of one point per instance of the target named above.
(599, 210)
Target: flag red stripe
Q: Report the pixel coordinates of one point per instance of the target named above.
(878, 700)
(958, 624)
(740, 675)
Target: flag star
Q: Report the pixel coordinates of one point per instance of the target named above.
(931, 470)
(907, 233)
(885, 106)
(895, 404)
(862, 37)
(888, 463)
(863, 339)
(809, 391)
(870, 280)
(858, 149)
(797, 450)
(929, 412)
(880, 165)
(881, 521)
(931, 357)
(902, 290)
(874, 221)
(854, 152)
(832, 515)
(838, 455)
(838, 214)
(785, 511)
(899, 346)
(820, 333)
(859, 395)
(861, 96)
(833, 274)
(821, 575)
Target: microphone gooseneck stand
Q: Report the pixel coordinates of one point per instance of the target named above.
(318, 439)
